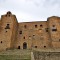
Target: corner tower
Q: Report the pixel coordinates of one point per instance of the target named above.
(54, 29)
(8, 30)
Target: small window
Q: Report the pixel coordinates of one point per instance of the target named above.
(35, 26)
(7, 27)
(9, 15)
(54, 29)
(24, 37)
(46, 29)
(29, 36)
(7, 24)
(8, 12)
(59, 40)
(44, 46)
(1, 41)
(6, 31)
(53, 25)
(41, 25)
(25, 26)
(6, 15)
(33, 35)
(35, 46)
(20, 32)
(18, 47)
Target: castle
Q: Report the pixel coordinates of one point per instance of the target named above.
(28, 35)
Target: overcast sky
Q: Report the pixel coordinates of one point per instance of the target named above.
(31, 10)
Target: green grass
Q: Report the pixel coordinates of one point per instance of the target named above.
(15, 55)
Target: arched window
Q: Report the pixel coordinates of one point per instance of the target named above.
(24, 45)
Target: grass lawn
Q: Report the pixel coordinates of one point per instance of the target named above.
(15, 55)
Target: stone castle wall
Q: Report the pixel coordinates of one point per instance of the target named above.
(28, 35)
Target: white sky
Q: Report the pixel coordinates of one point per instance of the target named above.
(31, 10)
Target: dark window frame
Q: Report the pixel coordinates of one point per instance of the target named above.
(41, 25)
(20, 32)
(24, 37)
(18, 47)
(1, 41)
(35, 46)
(53, 25)
(35, 26)
(44, 46)
(7, 26)
(54, 29)
(47, 29)
(25, 26)
(59, 40)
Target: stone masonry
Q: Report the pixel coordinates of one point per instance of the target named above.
(28, 35)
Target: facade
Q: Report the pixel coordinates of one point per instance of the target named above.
(28, 35)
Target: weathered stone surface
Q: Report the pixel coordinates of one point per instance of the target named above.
(47, 55)
(28, 35)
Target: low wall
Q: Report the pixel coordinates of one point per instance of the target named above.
(47, 55)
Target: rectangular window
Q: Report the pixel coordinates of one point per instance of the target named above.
(35, 46)
(53, 25)
(24, 37)
(25, 26)
(46, 29)
(41, 25)
(35, 26)
(54, 29)
(20, 32)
